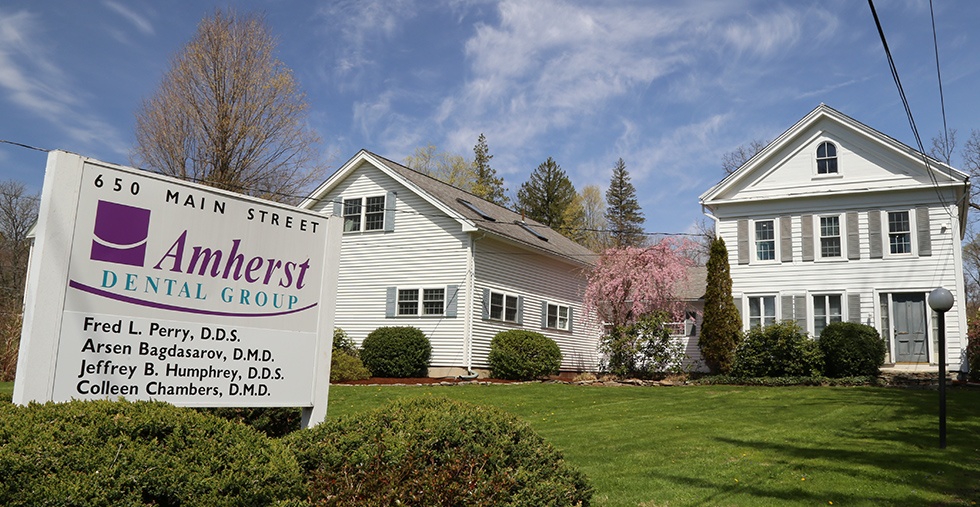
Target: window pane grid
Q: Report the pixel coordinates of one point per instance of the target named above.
(830, 241)
(510, 309)
(765, 240)
(762, 311)
(408, 302)
(826, 158)
(352, 215)
(502, 307)
(557, 317)
(433, 301)
(899, 232)
(374, 215)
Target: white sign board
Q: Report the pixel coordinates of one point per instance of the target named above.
(146, 287)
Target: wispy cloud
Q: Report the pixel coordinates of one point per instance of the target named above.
(34, 82)
(140, 22)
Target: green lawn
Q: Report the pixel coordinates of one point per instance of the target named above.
(7, 388)
(724, 445)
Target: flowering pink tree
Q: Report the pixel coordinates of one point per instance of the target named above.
(630, 282)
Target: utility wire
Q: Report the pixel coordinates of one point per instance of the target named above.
(939, 78)
(908, 110)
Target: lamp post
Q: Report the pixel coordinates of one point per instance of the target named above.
(941, 300)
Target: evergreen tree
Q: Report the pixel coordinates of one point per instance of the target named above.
(487, 185)
(549, 197)
(722, 326)
(623, 214)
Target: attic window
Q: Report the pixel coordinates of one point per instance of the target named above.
(531, 231)
(827, 158)
(476, 210)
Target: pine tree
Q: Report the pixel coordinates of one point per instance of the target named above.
(549, 197)
(623, 214)
(722, 327)
(487, 185)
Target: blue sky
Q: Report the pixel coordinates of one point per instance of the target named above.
(668, 86)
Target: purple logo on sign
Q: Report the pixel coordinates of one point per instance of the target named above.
(120, 234)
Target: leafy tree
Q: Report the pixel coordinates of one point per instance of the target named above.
(596, 236)
(18, 210)
(734, 159)
(623, 210)
(487, 184)
(643, 349)
(550, 198)
(722, 326)
(229, 114)
(450, 168)
(630, 282)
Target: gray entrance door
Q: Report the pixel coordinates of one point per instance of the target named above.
(909, 311)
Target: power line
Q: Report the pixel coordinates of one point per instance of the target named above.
(908, 110)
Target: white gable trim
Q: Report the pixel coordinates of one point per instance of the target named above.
(364, 156)
(945, 174)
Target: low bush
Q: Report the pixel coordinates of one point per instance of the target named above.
(523, 355)
(343, 342)
(344, 367)
(713, 380)
(398, 352)
(142, 453)
(777, 350)
(275, 422)
(434, 452)
(644, 349)
(851, 349)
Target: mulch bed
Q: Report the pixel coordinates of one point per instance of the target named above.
(421, 381)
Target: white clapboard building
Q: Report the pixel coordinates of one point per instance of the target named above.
(835, 221)
(419, 252)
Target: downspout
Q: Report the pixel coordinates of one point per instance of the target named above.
(468, 309)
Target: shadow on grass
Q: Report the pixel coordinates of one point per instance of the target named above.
(897, 448)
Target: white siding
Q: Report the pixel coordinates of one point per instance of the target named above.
(505, 268)
(860, 281)
(426, 249)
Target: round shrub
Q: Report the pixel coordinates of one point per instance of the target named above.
(398, 352)
(142, 453)
(434, 451)
(851, 350)
(344, 367)
(523, 355)
(777, 350)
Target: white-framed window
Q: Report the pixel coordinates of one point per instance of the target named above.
(827, 308)
(765, 240)
(899, 232)
(827, 158)
(503, 307)
(557, 317)
(831, 239)
(364, 214)
(421, 301)
(762, 311)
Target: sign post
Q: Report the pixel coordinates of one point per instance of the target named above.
(150, 288)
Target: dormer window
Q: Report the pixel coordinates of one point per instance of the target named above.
(827, 158)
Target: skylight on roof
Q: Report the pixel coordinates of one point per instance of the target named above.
(530, 230)
(476, 210)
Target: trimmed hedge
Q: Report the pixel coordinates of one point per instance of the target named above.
(777, 350)
(142, 453)
(433, 452)
(344, 367)
(523, 355)
(274, 422)
(851, 350)
(398, 352)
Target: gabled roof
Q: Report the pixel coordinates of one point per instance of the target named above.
(478, 215)
(939, 173)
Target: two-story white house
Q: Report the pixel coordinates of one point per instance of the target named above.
(419, 252)
(835, 221)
